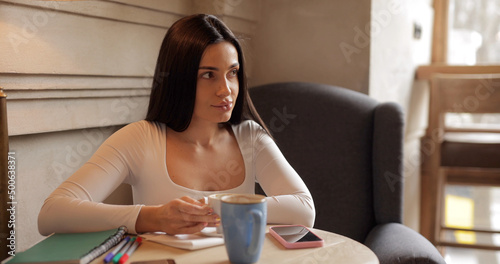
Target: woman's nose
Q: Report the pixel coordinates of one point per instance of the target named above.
(224, 89)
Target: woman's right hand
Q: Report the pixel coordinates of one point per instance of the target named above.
(180, 216)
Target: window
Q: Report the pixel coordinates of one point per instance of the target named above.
(473, 32)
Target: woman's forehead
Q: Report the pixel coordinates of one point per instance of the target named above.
(222, 53)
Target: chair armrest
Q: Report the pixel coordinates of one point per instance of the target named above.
(388, 134)
(396, 243)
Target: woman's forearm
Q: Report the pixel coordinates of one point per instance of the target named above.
(291, 209)
(146, 220)
(63, 214)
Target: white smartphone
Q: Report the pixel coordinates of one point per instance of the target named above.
(295, 236)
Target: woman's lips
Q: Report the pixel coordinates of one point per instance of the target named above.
(226, 106)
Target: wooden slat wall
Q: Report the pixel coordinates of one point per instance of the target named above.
(69, 53)
(75, 71)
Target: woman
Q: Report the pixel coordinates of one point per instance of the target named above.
(201, 136)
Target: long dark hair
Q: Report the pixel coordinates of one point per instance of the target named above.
(173, 93)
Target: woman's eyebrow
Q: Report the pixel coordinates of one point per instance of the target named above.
(208, 68)
(215, 68)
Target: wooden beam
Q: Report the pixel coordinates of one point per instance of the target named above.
(426, 72)
(473, 176)
(471, 246)
(470, 230)
(440, 31)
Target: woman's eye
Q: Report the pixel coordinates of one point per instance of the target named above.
(233, 72)
(207, 75)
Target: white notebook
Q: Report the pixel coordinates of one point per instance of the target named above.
(184, 241)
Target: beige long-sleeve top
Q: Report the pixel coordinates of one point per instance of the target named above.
(136, 155)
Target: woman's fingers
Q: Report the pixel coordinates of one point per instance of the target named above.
(194, 207)
(195, 212)
(192, 229)
(191, 200)
(187, 215)
(203, 200)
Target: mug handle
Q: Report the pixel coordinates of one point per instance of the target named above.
(254, 231)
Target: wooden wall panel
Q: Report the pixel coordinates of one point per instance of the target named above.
(135, 12)
(65, 43)
(169, 6)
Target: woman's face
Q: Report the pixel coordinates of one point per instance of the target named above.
(217, 83)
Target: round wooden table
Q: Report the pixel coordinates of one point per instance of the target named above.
(336, 249)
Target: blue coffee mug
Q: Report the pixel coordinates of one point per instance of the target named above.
(244, 219)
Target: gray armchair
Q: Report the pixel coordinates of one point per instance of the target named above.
(348, 149)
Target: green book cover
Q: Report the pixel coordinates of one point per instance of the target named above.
(67, 248)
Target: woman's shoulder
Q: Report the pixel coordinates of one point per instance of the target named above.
(247, 125)
(248, 128)
(138, 130)
(143, 126)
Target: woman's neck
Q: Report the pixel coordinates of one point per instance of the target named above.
(201, 134)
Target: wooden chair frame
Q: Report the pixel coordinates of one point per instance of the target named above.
(453, 93)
